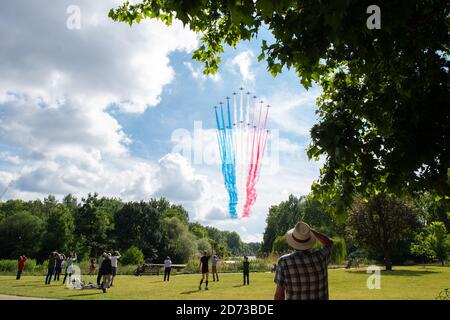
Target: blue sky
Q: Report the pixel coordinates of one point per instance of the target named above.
(96, 109)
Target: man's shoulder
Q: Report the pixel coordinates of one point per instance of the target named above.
(287, 256)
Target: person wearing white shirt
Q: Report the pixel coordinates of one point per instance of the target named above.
(214, 262)
(167, 268)
(114, 260)
(69, 269)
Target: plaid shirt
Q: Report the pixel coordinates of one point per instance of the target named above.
(304, 274)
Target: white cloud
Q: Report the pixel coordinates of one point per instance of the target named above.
(198, 74)
(69, 149)
(293, 112)
(103, 63)
(243, 62)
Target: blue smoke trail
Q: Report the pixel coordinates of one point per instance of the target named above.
(225, 140)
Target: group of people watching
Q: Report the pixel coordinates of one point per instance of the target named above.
(58, 261)
(299, 275)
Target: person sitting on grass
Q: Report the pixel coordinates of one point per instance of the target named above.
(246, 268)
(167, 268)
(21, 266)
(114, 261)
(303, 274)
(204, 269)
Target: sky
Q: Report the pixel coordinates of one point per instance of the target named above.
(92, 105)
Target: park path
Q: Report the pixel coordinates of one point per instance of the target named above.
(7, 297)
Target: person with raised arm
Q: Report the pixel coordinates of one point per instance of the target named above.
(303, 274)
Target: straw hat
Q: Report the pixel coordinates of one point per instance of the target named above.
(300, 237)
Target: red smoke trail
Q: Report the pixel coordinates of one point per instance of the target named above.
(254, 166)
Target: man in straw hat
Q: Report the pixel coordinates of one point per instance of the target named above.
(303, 274)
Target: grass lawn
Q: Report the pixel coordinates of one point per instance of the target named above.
(402, 283)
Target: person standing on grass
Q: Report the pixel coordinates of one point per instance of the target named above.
(303, 274)
(92, 266)
(106, 271)
(58, 266)
(21, 265)
(167, 268)
(246, 268)
(100, 261)
(51, 267)
(215, 260)
(69, 269)
(204, 269)
(114, 261)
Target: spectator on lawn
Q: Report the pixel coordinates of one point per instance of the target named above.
(100, 261)
(92, 266)
(204, 269)
(215, 260)
(114, 260)
(303, 274)
(69, 269)
(21, 265)
(246, 268)
(51, 267)
(167, 268)
(58, 266)
(106, 271)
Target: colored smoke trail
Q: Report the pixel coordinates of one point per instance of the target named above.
(242, 145)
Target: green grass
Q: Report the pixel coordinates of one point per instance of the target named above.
(402, 283)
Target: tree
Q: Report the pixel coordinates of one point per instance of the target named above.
(140, 224)
(198, 230)
(59, 232)
(381, 224)
(373, 132)
(338, 251)
(204, 244)
(20, 233)
(180, 244)
(234, 242)
(280, 245)
(133, 255)
(286, 214)
(421, 248)
(93, 222)
(439, 241)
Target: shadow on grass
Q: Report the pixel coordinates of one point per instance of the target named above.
(407, 273)
(85, 294)
(190, 292)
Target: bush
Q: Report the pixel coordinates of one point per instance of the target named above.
(132, 256)
(339, 251)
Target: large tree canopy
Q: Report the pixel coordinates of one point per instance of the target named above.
(384, 120)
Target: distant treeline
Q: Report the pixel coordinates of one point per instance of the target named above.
(157, 227)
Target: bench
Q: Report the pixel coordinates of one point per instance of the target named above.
(155, 268)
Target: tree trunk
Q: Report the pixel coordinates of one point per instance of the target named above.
(388, 262)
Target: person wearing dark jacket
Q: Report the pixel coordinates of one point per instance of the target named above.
(100, 261)
(246, 268)
(58, 266)
(50, 267)
(21, 265)
(106, 271)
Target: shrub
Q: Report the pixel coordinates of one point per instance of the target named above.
(132, 256)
